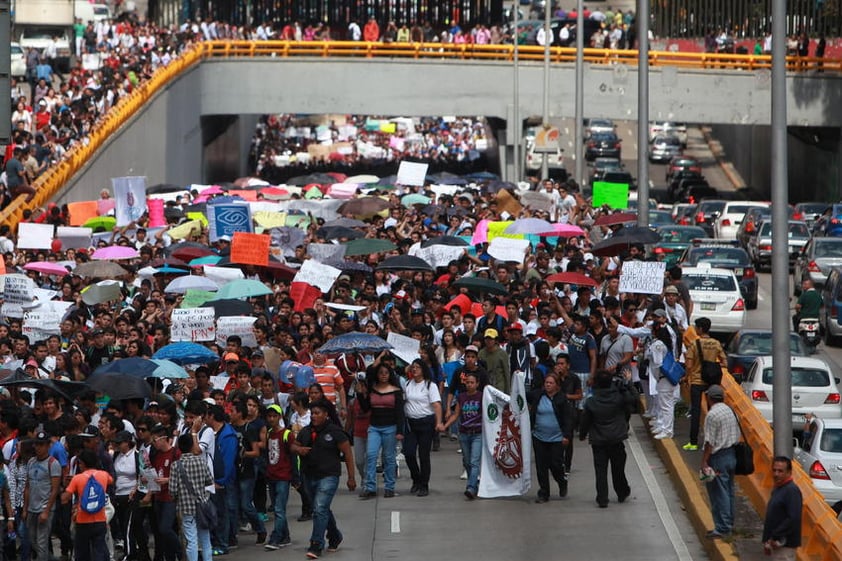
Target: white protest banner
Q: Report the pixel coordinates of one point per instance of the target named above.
(193, 324)
(236, 325)
(44, 321)
(345, 307)
(326, 252)
(440, 255)
(45, 295)
(412, 173)
(507, 249)
(405, 348)
(35, 236)
(17, 291)
(317, 274)
(72, 237)
(343, 190)
(440, 190)
(129, 198)
(643, 277)
(223, 275)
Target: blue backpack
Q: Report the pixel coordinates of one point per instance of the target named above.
(93, 496)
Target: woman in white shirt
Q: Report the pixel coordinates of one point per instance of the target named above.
(423, 417)
(662, 427)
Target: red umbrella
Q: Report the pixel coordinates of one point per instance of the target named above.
(616, 218)
(572, 278)
(186, 254)
(340, 177)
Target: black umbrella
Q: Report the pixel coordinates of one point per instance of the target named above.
(318, 178)
(351, 266)
(161, 188)
(623, 239)
(404, 263)
(338, 232)
(230, 307)
(446, 178)
(445, 240)
(431, 210)
(68, 390)
(481, 285)
(494, 186)
(119, 386)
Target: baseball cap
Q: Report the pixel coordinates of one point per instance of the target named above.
(230, 357)
(514, 327)
(89, 432)
(275, 408)
(671, 289)
(491, 333)
(659, 313)
(224, 239)
(256, 353)
(471, 349)
(41, 436)
(531, 329)
(716, 392)
(31, 362)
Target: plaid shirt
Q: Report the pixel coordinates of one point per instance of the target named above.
(722, 430)
(198, 474)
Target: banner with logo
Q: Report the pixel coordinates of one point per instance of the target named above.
(507, 442)
(129, 199)
(224, 220)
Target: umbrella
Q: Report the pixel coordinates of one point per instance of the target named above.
(99, 293)
(346, 223)
(351, 266)
(528, 226)
(446, 178)
(338, 232)
(495, 186)
(206, 260)
(182, 284)
(186, 353)
(363, 206)
(225, 199)
(168, 369)
(186, 254)
(564, 230)
(572, 278)
(431, 210)
(414, 199)
(389, 180)
(177, 247)
(482, 285)
(615, 218)
(213, 190)
(404, 263)
(161, 188)
(445, 240)
(99, 269)
(134, 366)
(363, 179)
(367, 246)
(230, 307)
(621, 241)
(68, 390)
(47, 268)
(280, 270)
(482, 176)
(115, 252)
(119, 386)
(169, 270)
(318, 178)
(355, 342)
(246, 182)
(171, 261)
(101, 223)
(243, 288)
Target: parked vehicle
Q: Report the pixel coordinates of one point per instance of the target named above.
(717, 296)
(682, 213)
(674, 240)
(831, 311)
(705, 213)
(38, 22)
(811, 211)
(820, 455)
(683, 163)
(620, 176)
(18, 61)
(601, 166)
(726, 256)
(830, 222)
(679, 130)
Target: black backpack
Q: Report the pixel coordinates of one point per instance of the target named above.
(711, 371)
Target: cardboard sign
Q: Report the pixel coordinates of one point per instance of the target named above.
(507, 203)
(326, 252)
(405, 348)
(505, 249)
(193, 324)
(643, 277)
(250, 249)
(224, 220)
(236, 325)
(35, 236)
(412, 173)
(615, 195)
(317, 274)
(82, 211)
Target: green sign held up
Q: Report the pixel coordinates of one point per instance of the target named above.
(615, 195)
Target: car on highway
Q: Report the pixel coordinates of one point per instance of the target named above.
(716, 295)
(813, 388)
(679, 130)
(621, 176)
(726, 256)
(706, 212)
(811, 211)
(820, 454)
(602, 145)
(696, 192)
(751, 222)
(600, 166)
(599, 126)
(830, 222)
(664, 148)
(728, 220)
(816, 260)
(831, 310)
(748, 344)
(682, 213)
(681, 187)
(683, 164)
(674, 240)
(535, 160)
(760, 245)
(18, 61)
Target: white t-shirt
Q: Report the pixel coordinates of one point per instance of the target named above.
(420, 397)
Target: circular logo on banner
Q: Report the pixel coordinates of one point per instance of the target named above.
(492, 412)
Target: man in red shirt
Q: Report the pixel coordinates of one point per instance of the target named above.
(279, 473)
(164, 506)
(89, 543)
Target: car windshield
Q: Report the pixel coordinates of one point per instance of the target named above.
(713, 206)
(828, 248)
(710, 283)
(802, 377)
(16, 50)
(671, 140)
(724, 256)
(680, 235)
(759, 344)
(831, 440)
(812, 208)
(738, 209)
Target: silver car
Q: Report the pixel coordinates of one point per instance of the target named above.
(760, 245)
(664, 148)
(820, 455)
(815, 261)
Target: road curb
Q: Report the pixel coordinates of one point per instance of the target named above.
(718, 152)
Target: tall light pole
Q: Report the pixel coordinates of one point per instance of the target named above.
(518, 125)
(642, 23)
(782, 398)
(545, 171)
(579, 125)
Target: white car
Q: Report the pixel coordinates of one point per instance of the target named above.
(660, 128)
(535, 160)
(726, 224)
(813, 389)
(716, 296)
(18, 61)
(821, 457)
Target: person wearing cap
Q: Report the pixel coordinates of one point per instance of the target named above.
(676, 313)
(721, 434)
(521, 353)
(279, 474)
(496, 361)
(91, 528)
(40, 494)
(703, 348)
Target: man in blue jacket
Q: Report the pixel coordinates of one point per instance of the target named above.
(226, 451)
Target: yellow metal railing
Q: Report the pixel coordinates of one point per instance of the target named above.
(54, 179)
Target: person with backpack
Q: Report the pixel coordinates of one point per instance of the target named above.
(225, 455)
(704, 350)
(40, 494)
(88, 488)
(190, 478)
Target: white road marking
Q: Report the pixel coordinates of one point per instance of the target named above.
(681, 551)
(396, 522)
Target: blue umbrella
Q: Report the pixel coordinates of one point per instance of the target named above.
(168, 369)
(225, 199)
(134, 366)
(355, 342)
(186, 353)
(170, 270)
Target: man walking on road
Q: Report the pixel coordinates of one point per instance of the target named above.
(782, 526)
(721, 433)
(711, 350)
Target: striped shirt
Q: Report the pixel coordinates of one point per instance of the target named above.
(329, 378)
(721, 428)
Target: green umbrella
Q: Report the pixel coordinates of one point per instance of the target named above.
(206, 260)
(101, 223)
(168, 369)
(242, 288)
(415, 199)
(194, 298)
(367, 246)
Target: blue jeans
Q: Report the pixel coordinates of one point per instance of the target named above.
(377, 437)
(471, 454)
(221, 534)
(194, 537)
(721, 490)
(165, 520)
(322, 492)
(247, 505)
(23, 535)
(280, 496)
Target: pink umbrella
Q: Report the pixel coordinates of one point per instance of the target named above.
(564, 231)
(213, 190)
(115, 252)
(47, 267)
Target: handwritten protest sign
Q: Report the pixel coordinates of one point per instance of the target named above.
(317, 274)
(326, 252)
(505, 249)
(44, 321)
(250, 249)
(35, 236)
(236, 325)
(507, 203)
(17, 291)
(405, 348)
(643, 277)
(412, 173)
(615, 195)
(193, 324)
(440, 255)
(219, 382)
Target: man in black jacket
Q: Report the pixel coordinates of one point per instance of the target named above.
(604, 420)
(782, 527)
